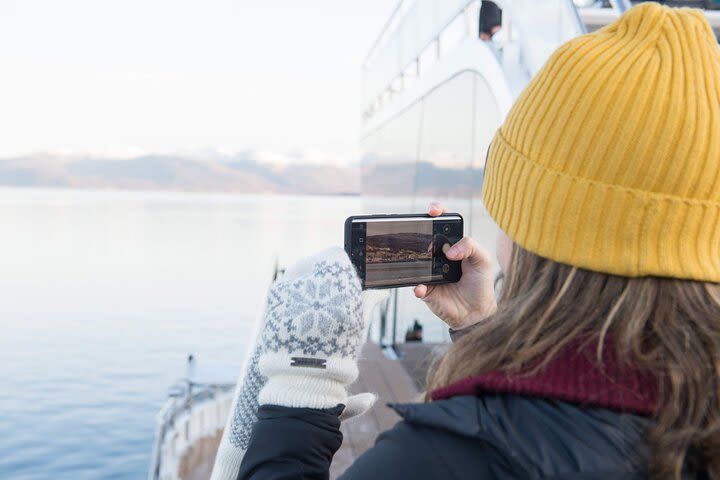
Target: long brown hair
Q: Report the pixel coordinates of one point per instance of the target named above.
(669, 327)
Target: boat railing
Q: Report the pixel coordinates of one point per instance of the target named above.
(197, 407)
(194, 389)
(413, 36)
(421, 32)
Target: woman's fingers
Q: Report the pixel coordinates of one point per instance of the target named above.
(436, 209)
(468, 249)
(422, 291)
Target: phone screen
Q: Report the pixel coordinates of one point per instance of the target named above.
(405, 250)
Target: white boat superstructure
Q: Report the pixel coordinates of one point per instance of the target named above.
(434, 95)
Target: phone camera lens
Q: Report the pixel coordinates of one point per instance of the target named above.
(446, 268)
(446, 229)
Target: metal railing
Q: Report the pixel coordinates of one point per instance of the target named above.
(414, 30)
(419, 30)
(181, 398)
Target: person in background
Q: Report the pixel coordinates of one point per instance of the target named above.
(414, 332)
(601, 358)
(490, 20)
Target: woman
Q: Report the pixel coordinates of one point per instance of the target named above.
(601, 358)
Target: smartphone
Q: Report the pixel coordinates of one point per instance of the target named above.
(403, 250)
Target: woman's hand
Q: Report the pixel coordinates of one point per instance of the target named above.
(470, 300)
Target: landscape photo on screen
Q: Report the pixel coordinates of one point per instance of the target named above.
(399, 253)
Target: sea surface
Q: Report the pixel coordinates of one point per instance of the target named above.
(104, 294)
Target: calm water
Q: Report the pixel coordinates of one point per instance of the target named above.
(102, 296)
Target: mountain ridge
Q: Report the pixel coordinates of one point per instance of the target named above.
(239, 173)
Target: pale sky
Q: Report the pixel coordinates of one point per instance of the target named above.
(171, 76)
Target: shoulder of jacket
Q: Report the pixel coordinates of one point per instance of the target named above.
(418, 451)
(548, 437)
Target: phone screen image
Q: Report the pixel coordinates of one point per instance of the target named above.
(400, 250)
(399, 253)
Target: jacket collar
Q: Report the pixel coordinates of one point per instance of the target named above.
(573, 376)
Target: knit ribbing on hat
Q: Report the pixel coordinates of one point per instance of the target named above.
(610, 158)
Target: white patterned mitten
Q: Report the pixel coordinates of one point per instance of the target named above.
(243, 413)
(313, 335)
(309, 339)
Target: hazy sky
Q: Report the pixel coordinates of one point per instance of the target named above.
(135, 76)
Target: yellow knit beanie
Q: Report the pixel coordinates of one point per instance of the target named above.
(610, 158)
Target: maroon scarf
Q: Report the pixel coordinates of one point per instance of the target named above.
(573, 376)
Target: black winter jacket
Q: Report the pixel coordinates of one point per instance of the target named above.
(488, 437)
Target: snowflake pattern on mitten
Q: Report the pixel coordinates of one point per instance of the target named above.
(317, 314)
(246, 407)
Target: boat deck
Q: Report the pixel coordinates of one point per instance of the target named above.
(198, 461)
(393, 381)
